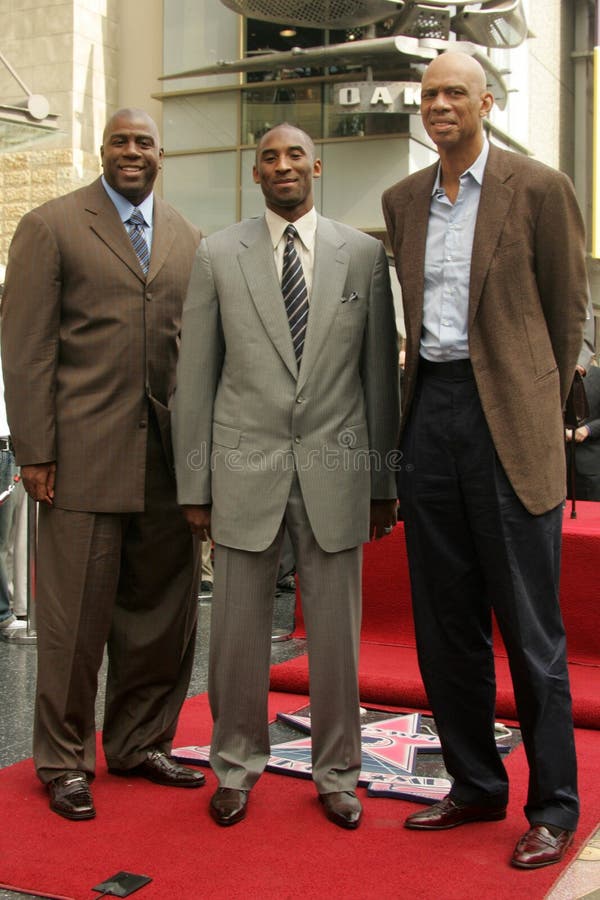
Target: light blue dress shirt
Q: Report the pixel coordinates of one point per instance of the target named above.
(448, 266)
(125, 208)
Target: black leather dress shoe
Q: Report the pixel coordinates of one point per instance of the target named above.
(228, 805)
(161, 769)
(540, 847)
(70, 796)
(449, 813)
(343, 808)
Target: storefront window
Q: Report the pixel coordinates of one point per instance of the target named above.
(297, 103)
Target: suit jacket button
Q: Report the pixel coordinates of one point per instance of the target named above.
(149, 296)
(297, 439)
(300, 399)
(143, 424)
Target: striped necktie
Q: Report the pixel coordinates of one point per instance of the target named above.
(138, 238)
(295, 294)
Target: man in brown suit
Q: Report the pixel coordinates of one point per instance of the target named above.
(90, 332)
(489, 251)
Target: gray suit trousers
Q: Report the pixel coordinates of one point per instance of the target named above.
(240, 649)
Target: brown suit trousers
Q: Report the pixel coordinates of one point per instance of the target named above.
(101, 585)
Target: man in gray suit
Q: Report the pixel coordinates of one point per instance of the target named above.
(285, 416)
(90, 332)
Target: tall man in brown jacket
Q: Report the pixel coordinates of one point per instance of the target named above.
(489, 251)
(90, 331)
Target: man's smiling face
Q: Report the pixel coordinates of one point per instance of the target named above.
(131, 154)
(285, 168)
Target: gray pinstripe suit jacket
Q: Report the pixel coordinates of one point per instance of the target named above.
(245, 418)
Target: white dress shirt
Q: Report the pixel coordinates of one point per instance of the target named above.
(306, 226)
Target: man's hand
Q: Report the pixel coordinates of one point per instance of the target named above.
(581, 434)
(198, 518)
(383, 518)
(38, 481)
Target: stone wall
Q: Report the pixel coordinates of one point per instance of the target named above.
(31, 177)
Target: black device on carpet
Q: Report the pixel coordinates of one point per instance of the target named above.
(122, 884)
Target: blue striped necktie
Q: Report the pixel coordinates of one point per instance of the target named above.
(295, 294)
(138, 238)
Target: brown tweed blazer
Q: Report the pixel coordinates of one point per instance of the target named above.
(527, 306)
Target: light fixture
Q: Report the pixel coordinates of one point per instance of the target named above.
(23, 121)
(288, 32)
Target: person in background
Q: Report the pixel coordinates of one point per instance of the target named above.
(206, 574)
(588, 351)
(10, 625)
(587, 443)
(490, 254)
(88, 387)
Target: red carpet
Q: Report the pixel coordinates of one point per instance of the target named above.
(285, 849)
(388, 664)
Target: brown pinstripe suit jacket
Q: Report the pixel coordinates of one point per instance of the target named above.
(527, 305)
(88, 343)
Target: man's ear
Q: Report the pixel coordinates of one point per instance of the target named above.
(487, 101)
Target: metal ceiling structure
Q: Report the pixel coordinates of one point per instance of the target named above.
(381, 52)
(416, 33)
(496, 23)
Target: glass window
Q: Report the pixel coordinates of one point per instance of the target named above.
(355, 178)
(345, 122)
(269, 37)
(198, 33)
(200, 120)
(202, 187)
(296, 103)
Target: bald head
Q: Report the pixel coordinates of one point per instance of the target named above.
(286, 128)
(457, 65)
(454, 101)
(131, 114)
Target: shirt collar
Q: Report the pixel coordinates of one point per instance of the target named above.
(306, 226)
(476, 169)
(125, 207)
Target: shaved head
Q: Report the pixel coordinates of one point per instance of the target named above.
(131, 114)
(459, 65)
(303, 138)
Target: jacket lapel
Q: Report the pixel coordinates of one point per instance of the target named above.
(106, 223)
(163, 235)
(258, 266)
(414, 242)
(494, 203)
(329, 277)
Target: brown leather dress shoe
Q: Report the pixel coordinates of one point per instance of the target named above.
(539, 847)
(70, 796)
(449, 813)
(343, 808)
(161, 769)
(228, 805)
